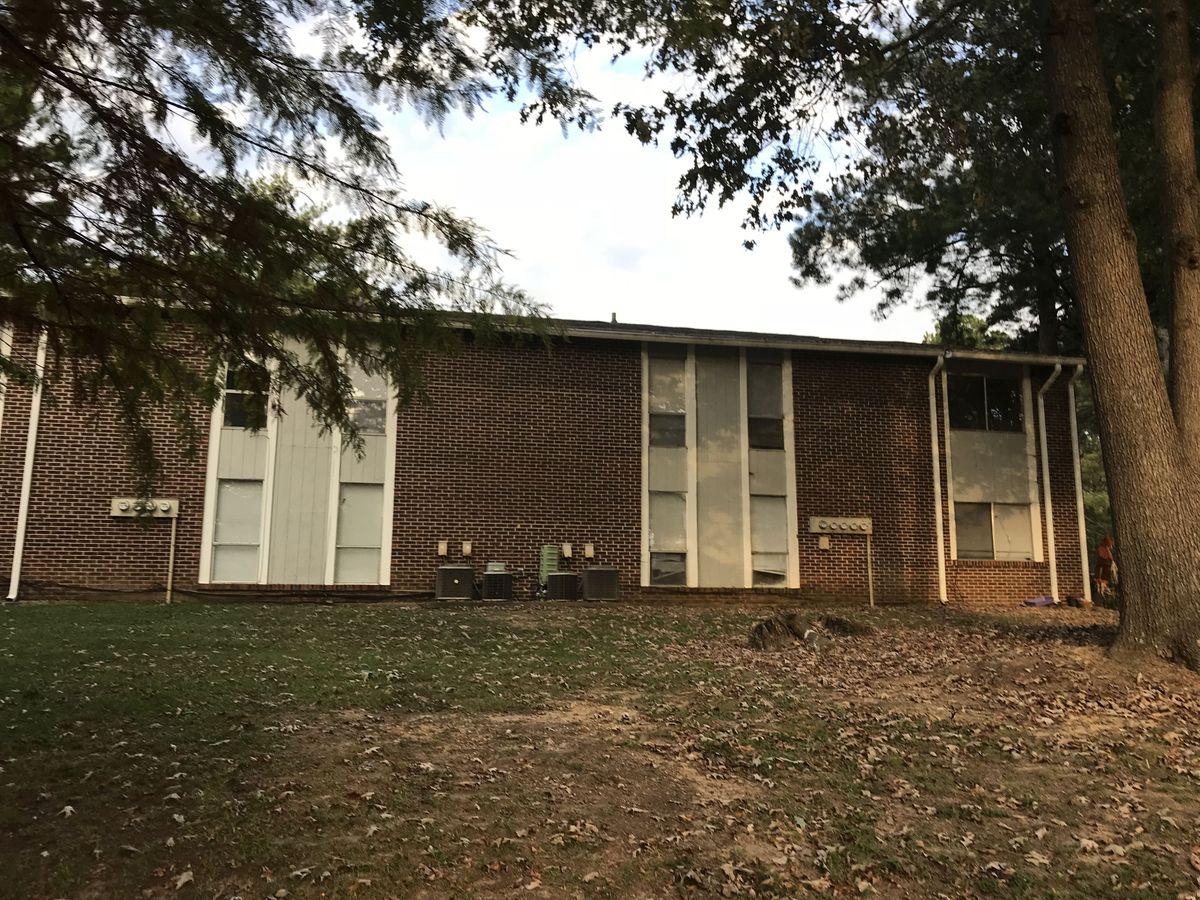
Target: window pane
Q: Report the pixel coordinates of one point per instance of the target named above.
(966, 401)
(1014, 533)
(768, 525)
(360, 515)
(245, 402)
(770, 569)
(356, 565)
(666, 384)
(235, 563)
(667, 430)
(973, 529)
(244, 411)
(766, 434)
(667, 529)
(1005, 404)
(668, 569)
(368, 387)
(246, 376)
(369, 415)
(764, 389)
(239, 512)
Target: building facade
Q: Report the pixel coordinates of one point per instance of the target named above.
(688, 460)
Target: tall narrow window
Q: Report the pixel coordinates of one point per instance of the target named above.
(245, 401)
(360, 515)
(237, 530)
(667, 466)
(368, 410)
(768, 473)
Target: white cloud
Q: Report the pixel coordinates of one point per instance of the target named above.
(587, 218)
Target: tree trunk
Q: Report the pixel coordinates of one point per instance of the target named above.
(1047, 309)
(1174, 136)
(1156, 505)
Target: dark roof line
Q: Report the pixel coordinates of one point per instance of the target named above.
(681, 335)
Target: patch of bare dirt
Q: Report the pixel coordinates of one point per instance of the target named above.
(580, 799)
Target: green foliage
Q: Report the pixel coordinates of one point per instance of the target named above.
(127, 132)
(967, 332)
(952, 200)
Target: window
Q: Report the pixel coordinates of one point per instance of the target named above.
(245, 402)
(368, 409)
(667, 430)
(237, 531)
(359, 534)
(993, 531)
(764, 405)
(668, 418)
(986, 403)
(668, 569)
(768, 474)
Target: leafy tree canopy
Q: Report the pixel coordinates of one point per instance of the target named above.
(167, 163)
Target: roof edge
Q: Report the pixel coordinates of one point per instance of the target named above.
(617, 331)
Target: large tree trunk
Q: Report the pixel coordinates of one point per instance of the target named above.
(1156, 504)
(1175, 138)
(1047, 309)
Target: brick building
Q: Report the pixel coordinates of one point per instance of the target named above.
(687, 459)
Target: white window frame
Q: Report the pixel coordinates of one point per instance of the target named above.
(1035, 508)
(208, 522)
(691, 511)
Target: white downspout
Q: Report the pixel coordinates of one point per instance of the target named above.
(35, 412)
(1048, 506)
(1083, 547)
(937, 476)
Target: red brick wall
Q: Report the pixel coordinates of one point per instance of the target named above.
(80, 464)
(518, 447)
(980, 580)
(862, 449)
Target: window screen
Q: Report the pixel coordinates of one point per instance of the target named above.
(368, 410)
(359, 534)
(764, 389)
(666, 379)
(1013, 531)
(237, 531)
(245, 402)
(973, 530)
(764, 405)
(667, 527)
(770, 569)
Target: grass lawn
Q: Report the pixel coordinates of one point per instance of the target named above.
(556, 750)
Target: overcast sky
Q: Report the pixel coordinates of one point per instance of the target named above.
(587, 219)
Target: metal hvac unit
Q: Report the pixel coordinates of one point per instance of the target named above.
(455, 583)
(601, 583)
(497, 583)
(562, 586)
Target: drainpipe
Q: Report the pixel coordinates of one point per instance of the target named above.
(35, 412)
(1049, 504)
(935, 455)
(1079, 514)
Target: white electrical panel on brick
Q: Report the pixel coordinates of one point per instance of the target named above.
(840, 525)
(145, 507)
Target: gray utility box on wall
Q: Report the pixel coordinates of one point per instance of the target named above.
(455, 583)
(601, 583)
(562, 586)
